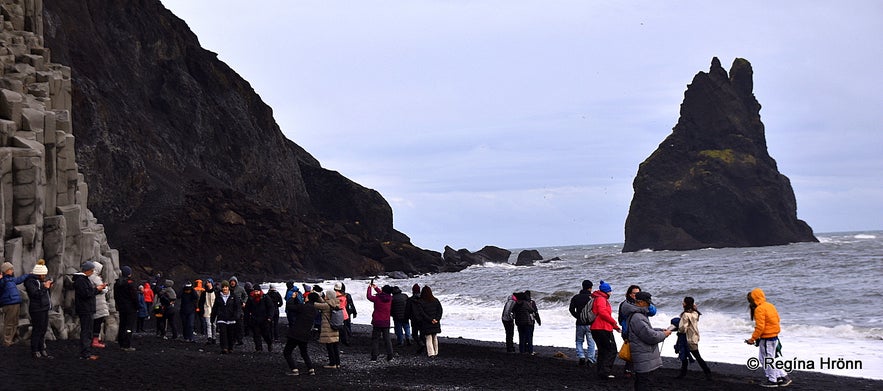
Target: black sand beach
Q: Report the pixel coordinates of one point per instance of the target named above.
(461, 365)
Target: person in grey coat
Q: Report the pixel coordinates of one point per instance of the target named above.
(644, 340)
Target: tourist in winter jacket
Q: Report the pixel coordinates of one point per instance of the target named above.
(275, 298)
(259, 312)
(602, 330)
(525, 313)
(327, 335)
(380, 320)
(766, 337)
(37, 286)
(239, 291)
(577, 304)
(205, 305)
(643, 340)
(343, 300)
(409, 313)
(10, 302)
(169, 300)
(125, 296)
(84, 305)
(300, 322)
(688, 329)
(227, 310)
(429, 310)
(143, 310)
(399, 319)
(509, 323)
(188, 300)
(102, 310)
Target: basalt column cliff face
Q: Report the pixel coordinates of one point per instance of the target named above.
(190, 173)
(712, 183)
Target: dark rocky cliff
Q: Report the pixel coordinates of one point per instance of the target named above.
(187, 168)
(712, 183)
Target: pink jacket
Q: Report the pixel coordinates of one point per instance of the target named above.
(382, 307)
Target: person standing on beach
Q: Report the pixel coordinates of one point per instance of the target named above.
(148, 301)
(622, 318)
(276, 298)
(125, 296)
(327, 335)
(37, 287)
(84, 304)
(644, 341)
(400, 321)
(509, 323)
(228, 311)
(429, 311)
(688, 327)
(409, 313)
(380, 320)
(143, 313)
(343, 300)
(205, 305)
(766, 337)
(169, 300)
(239, 291)
(188, 300)
(259, 315)
(602, 331)
(583, 333)
(102, 309)
(525, 313)
(10, 302)
(350, 311)
(300, 321)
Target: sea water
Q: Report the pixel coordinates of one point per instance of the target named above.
(828, 297)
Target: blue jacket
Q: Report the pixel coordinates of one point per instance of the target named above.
(9, 293)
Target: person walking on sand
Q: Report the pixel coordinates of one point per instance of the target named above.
(259, 315)
(205, 305)
(577, 304)
(84, 304)
(327, 335)
(227, 310)
(188, 299)
(125, 296)
(766, 337)
(300, 321)
(509, 323)
(643, 340)
(429, 310)
(525, 313)
(380, 320)
(688, 331)
(37, 287)
(276, 298)
(602, 331)
(10, 302)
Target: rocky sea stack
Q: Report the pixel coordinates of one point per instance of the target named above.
(189, 172)
(712, 183)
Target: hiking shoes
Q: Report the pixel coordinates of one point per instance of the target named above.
(784, 381)
(293, 372)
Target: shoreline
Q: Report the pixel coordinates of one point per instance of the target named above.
(462, 364)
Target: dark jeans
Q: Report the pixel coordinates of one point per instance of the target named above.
(85, 334)
(187, 325)
(525, 338)
(509, 326)
(699, 360)
(606, 348)
(403, 330)
(170, 322)
(379, 334)
(127, 325)
(333, 353)
(96, 327)
(261, 330)
(39, 324)
(290, 344)
(227, 335)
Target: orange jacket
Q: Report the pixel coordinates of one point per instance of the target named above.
(766, 318)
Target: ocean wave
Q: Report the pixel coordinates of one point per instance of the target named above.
(865, 236)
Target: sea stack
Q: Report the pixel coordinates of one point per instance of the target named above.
(711, 183)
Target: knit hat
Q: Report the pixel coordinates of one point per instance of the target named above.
(225, 283)
(86, 266)
(210, 281)
(169, 283)
(307, 288)
(40, 268)
(188, 284)
(338, 286)
(317, 288)
(415, 289)
(587, 284)
(127, 271)
(605, 287)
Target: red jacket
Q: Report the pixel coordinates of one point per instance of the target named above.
(603, 313)
(148, 294)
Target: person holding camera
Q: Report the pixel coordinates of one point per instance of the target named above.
(37, 286)
(643, 340)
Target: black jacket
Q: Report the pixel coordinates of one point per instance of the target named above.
(300, 317)
(259, 311)
(228, 311)
(187, 301)
(578, 302)
(525, 311)
(399, 302)
(38, 295)
(426, 311)
(84, 295)
(125, 294)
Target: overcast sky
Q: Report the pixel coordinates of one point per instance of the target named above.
(521, 124)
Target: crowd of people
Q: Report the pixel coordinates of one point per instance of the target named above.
(226, 312)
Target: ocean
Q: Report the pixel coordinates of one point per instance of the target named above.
(827, 294)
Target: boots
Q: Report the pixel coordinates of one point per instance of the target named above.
(96, 343)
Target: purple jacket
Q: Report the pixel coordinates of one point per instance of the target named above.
(382, 307)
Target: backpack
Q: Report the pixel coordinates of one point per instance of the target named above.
(336, 319)
(587, 316)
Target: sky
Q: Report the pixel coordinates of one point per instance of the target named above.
(521, 124)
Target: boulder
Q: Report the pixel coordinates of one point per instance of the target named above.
(528, 257)
(711, 182)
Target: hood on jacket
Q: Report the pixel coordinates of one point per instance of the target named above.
(598, 293)
(757, 296)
